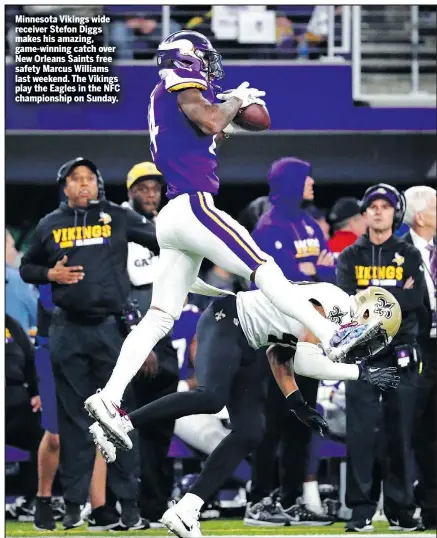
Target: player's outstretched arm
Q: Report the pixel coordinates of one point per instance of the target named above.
(281, 365)
(211, 119)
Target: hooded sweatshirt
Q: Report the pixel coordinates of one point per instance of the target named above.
(286, 231)
(388, 265)
(95, 238)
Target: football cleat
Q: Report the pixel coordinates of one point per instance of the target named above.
(114, 421)
(106, 448)
(183, 523)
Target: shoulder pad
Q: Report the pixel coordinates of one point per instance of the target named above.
(181, 79)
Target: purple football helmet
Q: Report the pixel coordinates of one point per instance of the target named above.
(192, 50)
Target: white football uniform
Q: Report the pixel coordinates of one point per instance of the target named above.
(263, 324)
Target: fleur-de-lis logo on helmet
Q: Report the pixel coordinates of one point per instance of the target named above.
(336, 315)
(384, 308)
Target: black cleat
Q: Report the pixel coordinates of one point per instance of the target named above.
(103, 519)
(72, 518)
(44, 519)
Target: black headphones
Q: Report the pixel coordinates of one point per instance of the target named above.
(66, 169)
(400, 201)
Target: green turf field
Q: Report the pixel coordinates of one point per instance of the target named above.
(223, 527)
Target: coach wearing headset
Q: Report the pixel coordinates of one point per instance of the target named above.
(379, 258)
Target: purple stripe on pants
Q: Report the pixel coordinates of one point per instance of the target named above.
(245, 253)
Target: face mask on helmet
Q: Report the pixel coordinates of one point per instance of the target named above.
(380, 308)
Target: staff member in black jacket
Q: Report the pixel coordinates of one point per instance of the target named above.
(379, 258)
(421, 217)
(81, 248)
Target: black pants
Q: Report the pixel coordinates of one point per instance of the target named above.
(228, 374)
(155, 438)
(394, 414)
(285, 436)
(83, 357)
(23, 430)
(425, 433)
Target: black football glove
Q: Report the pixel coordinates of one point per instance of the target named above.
(306, 414)
(383, 378)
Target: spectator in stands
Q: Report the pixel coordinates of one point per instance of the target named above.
(159, 374)
(23, 405)
(21, 299)
(420, 215)
(317, 31)
(146, 30)
(347, 224)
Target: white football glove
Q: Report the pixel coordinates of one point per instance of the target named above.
(246, 94)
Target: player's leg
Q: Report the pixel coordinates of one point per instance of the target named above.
(202, 432)
(215, 370)
(246, 413)
(48, 451)
(176, 272)
(215, 235)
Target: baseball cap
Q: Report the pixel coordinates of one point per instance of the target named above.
(344, 208)
(68, 167)
(383, 193)
(140, 171)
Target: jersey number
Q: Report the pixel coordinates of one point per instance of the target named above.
(180, 345)
(286, 339)
(153, 128)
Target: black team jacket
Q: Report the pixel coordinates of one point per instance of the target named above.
(95, 238)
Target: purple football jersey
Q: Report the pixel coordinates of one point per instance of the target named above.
(181, 151)
(183, 333)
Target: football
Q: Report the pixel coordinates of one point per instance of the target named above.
(253, 118)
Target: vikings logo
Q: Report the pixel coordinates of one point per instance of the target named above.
(398, 259)
(336, 315)
(105, 218)
(309, 230)
(384, 308)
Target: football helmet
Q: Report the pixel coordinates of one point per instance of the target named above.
(379, 307)
(190, 50)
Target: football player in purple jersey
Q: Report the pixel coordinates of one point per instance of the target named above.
(184, 120)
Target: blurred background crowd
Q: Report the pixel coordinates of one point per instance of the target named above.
(325, 480)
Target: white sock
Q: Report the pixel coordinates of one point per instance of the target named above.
(292, 301)
(311, 496)
(191, 502)
(136, 348)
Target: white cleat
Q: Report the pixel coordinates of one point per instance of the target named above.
(183, 523)
(106, 448)
(114, 422)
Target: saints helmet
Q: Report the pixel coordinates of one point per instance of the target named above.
(191, 50)
(379, 307)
